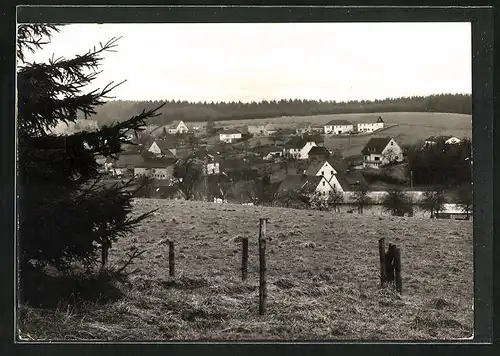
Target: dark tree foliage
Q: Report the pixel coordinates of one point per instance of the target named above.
(464, 199)
(397, 202)
(441, 164)
(433, 201)
(207, 112)
(188, 173)
(361, 197)
(66, 212)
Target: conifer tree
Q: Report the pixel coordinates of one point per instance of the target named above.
(67, 213)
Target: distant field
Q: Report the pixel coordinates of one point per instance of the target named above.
(408, 127)
(323, 279)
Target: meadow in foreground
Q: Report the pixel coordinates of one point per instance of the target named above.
(323, 279)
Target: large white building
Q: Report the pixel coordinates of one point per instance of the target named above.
(369, 127)
(338, 127)
(229, 136)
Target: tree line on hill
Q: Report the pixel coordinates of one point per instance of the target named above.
(115, 110)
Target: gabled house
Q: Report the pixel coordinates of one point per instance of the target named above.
(125, 164)
(449, 140)
(210, 161)
(308, 183)
(298, 147)
(318, 152)
(380, 151)
(163, 148)
(229, 136)
(348, 181)
(327, 168)
(162, 169)
(370, 124)
(338, 127)
(177, 127)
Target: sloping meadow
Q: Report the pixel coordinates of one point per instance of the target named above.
(322, 279)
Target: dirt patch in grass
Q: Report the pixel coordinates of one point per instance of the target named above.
(323, 281)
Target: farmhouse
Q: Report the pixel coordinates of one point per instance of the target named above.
(229, 136)
(449, 140)
(380, 151)
(309, 130)
(177, 127)
(370, 126)
(163, 148)
(125, 164)
(210, 161)
(268, 153)
(298, 147)
(338, 127)
(308, 183)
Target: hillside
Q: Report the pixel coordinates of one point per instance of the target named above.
(323, 279)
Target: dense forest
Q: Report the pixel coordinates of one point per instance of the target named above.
(117, 110)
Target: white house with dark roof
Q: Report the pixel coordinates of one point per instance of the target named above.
(229, 136)
(370, 125)
(309, 183)
(298, 147)
(177, 127)
(165, 148)
(380, 151)
(338, 127)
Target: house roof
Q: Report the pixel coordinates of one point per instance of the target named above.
(376, 145)
(165, 145)
(297, 181)
(380, 119)
(319, 151)
(350, 180)
(437, 138)
(230, 132)
(128, 160)
(174, 124)
(338, 122)
(296, 142)
(316, 165)
(156, 163)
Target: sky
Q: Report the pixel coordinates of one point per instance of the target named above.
(253, 62)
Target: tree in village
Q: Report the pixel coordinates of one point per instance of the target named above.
(335, 198)
(188, 172)
(67, 214)
(464, 199)
(433, 201)
(397, 202)
(361, 197)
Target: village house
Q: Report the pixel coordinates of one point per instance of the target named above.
(125, 164)
(449, 140)
(163, 148)
(380, 151)
(309, 183)
(211, 164)
(162, 169)
(318, 152)
(229, 136)
(327, 167)
(338, 127)
(298, 147)
(261, 130)
(369, 127)
(309, 130)
(177, 127)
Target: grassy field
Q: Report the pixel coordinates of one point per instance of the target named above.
(323, 279)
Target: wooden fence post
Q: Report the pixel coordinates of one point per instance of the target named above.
(383, 271)
(397, 269)
(244, 259)
(171, 259)
(389, 263)
(262, 260)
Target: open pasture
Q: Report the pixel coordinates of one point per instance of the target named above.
(323, 279)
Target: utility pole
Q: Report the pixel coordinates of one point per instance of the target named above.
(411, 180)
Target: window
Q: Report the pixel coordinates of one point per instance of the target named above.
(322, 173)
(334, 185)
(331, 172)
(377, 158)
(323, 183)
(392, 143)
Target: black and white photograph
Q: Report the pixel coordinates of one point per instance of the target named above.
(244, 181)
